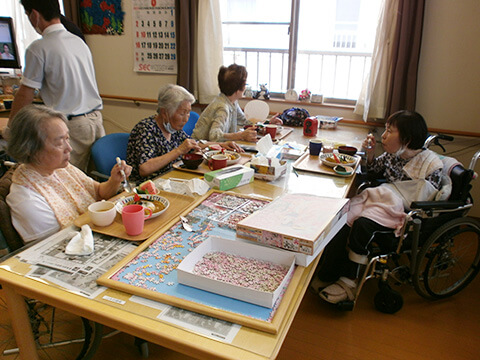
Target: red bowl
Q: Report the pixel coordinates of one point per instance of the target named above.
(192, 160)
(348, 150)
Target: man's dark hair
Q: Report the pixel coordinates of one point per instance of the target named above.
(49, 9)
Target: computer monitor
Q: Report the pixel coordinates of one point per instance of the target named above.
(8, 46)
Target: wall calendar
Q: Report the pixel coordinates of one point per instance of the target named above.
(154, 36)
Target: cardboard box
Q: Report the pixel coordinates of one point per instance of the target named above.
(229, 177)
(186, 276)
(304, 259)
(296, 222)
(328, 122)
(268, 172)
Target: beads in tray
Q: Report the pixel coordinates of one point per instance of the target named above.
(241, 271)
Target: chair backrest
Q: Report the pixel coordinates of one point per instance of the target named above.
(192, 121)
(106, 149)
(14, 241)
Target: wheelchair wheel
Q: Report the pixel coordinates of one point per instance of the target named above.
(53, 330)
(449, 259)
(387, 300)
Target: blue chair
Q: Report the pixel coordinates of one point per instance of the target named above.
(105, 151)
(192, 121)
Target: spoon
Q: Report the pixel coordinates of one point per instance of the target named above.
(185, 224)
(125, 183)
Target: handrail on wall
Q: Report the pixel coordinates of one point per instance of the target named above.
(135, 100)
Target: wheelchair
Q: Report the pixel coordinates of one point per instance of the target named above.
(437, 252)
(52, 328)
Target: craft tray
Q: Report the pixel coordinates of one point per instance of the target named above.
(203, 167)
(150, 270)
(313, 163)
(178, 203)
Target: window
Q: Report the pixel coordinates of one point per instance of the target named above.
(323, 45)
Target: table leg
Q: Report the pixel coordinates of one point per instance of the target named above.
(22, 329)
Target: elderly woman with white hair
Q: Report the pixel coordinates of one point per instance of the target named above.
(158, 141)
(47, 192)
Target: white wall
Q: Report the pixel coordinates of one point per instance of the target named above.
(448, 78)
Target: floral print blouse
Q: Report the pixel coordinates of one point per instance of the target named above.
(391, 167)
(147, 142)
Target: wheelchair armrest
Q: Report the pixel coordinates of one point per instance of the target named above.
(434, 205)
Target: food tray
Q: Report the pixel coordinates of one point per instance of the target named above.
(178, 203)
(203, 167)
(280, 134)
(312, 163)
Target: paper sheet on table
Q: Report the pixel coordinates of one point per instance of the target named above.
(181, 186)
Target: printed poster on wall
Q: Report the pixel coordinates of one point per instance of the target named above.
(154, 36)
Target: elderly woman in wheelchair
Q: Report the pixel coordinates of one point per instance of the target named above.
(377, 218)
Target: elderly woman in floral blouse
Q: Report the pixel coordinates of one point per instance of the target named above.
(158, 141)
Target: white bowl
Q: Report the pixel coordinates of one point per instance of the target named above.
(234, 156)
(346, 160)
(144, 200)
(102, 213)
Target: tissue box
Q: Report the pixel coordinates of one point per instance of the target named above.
(186, 276)
(328, 122)
(296, 222)
(269, 172)
(229, 177)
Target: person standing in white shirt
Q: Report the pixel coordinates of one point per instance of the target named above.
(60, 65)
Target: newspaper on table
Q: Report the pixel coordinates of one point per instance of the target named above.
(79, 274)
(75, 273)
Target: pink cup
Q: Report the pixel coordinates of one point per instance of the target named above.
(133, 217)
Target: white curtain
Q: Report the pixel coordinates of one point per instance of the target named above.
(24, 31)
(371, 102)
(209, 50)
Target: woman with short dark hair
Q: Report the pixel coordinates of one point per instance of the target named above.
(222, 118)
(379, 210)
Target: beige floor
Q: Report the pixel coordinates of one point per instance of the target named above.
(422, 330)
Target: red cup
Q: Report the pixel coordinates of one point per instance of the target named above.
(133, 217)
(272, 130)
(217, 161)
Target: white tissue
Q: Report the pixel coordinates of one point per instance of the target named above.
(264, 144)
(163, 184)
(81, 243)
(197, 186)
(260, 160)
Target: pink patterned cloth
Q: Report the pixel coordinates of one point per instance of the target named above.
(68, 191)
(379, 204)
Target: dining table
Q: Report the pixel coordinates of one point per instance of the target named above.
(120, 310)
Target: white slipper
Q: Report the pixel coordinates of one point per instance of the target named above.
(343, 289)
(316, 284)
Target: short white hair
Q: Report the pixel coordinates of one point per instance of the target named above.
(170, 97)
